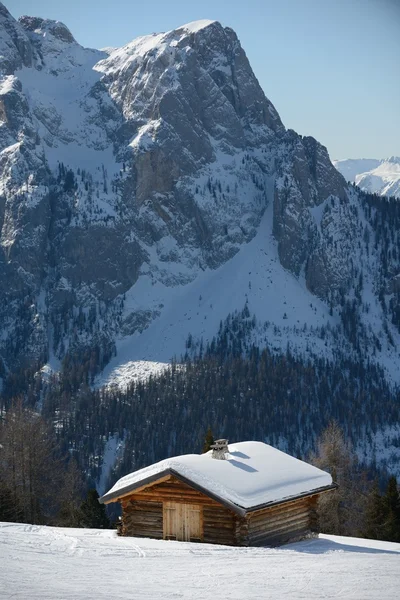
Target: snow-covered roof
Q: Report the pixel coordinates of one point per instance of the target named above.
(254, 474)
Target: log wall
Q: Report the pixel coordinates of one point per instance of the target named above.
(142, 512)
(142, 516)
(280, 524)
(219, 525)
(142, 519)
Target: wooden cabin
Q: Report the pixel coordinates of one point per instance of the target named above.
(244, 494)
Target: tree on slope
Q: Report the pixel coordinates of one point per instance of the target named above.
(208, 441)
(93, 513)
(9, 510)
(70, 497)
(391, 502)
(31, 468)
(374, 515)
(340, 512)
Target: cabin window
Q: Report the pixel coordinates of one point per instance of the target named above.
(182, 522)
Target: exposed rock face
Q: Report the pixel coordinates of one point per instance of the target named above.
(307, 181)
(15, 47)
(156, 162)
(43, 26)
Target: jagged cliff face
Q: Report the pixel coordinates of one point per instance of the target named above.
(147, 168)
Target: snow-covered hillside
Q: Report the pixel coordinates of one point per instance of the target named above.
(48, 563)
(253, 276)
(375, 176)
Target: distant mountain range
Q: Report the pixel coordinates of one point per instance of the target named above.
(372, 175)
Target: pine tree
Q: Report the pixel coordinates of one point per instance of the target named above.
(208, 441)
(374, 515)
(391, 500)
(9, 511)
(93, 513)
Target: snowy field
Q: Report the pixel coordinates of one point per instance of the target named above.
(80, 564)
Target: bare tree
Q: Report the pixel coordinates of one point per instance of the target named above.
(70, 497)
(341, 512)
(30, 468)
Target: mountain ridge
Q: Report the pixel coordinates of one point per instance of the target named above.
(132, 179)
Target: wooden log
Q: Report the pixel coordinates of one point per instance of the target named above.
(284, 504)
(219, 525)
(217, 538)
(281, 508)
(283, 530)
(127, 494)
(271, 523)
(278, 515)
(284, 538)
(174, 498)
(142, 519)
(278, 527)
(149, 508)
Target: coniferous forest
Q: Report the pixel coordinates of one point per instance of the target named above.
(232, 389)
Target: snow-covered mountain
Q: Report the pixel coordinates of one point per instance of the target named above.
(375, 176)
(148, 191)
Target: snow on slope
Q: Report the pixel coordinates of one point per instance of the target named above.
(253, 275)
(65, 113)
(48, 563)
(351, 167)
(113, 450)
(375, 176)
(194, 26)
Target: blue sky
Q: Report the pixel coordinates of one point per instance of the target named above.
(331, 67)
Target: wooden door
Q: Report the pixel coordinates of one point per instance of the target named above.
(170, 521)
(192, 519)
(182, 522)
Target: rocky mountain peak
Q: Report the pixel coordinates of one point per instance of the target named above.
(44, 27)
(15, 47)
(130, 180)
(202, 55)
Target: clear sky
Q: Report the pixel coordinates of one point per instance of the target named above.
(331, 67)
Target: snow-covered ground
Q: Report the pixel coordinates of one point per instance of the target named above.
(50, 563)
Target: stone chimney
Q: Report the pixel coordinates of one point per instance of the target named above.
(220, 449)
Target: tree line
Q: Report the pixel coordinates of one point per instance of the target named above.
(357, 507)
(39, 484)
